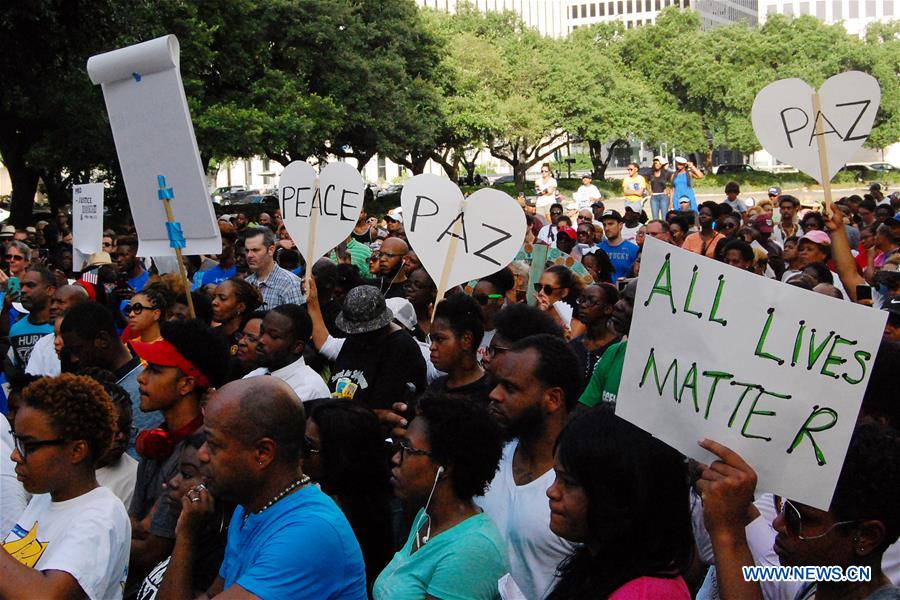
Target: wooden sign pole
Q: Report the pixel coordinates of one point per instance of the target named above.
(451, 254)
(166, 195)
(823, 153)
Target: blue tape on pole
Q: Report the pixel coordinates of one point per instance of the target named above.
(176, 236)
(166, 194)
(137, 76)
(161, 180)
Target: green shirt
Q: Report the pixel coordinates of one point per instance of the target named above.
(604, 383)
(461, 563)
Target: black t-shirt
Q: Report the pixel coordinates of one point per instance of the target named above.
(477, 390)
(365, 237)
(588, 359)
(375, 371)
(658, 184)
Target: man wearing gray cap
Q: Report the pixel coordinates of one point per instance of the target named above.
(379, 357)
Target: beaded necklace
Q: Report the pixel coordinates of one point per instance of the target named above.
(296, 484)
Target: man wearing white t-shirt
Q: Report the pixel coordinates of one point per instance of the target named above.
(538, 380)
(73, 539)
(587, 192)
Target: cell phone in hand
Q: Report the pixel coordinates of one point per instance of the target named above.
(14, 287)
(863, 292)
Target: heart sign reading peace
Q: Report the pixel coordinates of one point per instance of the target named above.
(319, 213)
(786, 123)
(459, 239)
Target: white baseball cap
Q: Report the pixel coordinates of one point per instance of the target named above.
(680, 160)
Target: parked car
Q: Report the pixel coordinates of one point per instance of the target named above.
(879, 168)
(860, 172)
(734, 168)
(394, 188)
(239, 197)
(220, 192)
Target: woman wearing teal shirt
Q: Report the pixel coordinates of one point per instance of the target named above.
(449, 455)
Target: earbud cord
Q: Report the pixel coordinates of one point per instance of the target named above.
(427, 535)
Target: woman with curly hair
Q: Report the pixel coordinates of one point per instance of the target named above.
(74, 536)
(449, 455)
(232, 303)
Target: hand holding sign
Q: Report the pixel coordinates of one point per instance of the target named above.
(459, 239)
(319, 212)
(793, 130)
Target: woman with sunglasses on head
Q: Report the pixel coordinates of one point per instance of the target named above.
(557, 292)
(448, 455)
(595, 306)
(456, 331)
(862, 522)
(233, 300)
(145, 311)
(492, 292)
(345, 454)
(623, 496)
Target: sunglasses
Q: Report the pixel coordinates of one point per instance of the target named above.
(556, 213)
(483, 299)
(136, 308)
(794, 524)
(547, 288)
(728, 225)
(14, 257)
(492, 351)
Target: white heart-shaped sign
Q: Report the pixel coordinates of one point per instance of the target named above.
(317, 222)
(785, 122)
(486, 229)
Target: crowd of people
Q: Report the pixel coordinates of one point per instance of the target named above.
(271, 429)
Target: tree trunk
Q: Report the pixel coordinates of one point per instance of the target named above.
(708, 159)
(596, 149)
(519, 170)
(24, 186)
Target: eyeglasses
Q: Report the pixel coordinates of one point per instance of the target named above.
(587, 302)
(493, 351)
(388, 255)
(547, 288)
(794, 524)
(14, 257)
(483, 299)
(136, 308)
(582, 218)
(250, 339)
(728, 225)
(403, 447)
(308, 444)
(25, 448)
(556, 212)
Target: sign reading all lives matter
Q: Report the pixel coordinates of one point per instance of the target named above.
(151, 125)
(772, 371)
(87, 221)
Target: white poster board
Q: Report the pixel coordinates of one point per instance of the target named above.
(785, 121)
(320, 209)
(772, 371)
(87, 222)
(152, 129)
(484, 231)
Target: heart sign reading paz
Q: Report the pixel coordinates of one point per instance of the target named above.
(459, 239)
(319, 212)
(788, 127)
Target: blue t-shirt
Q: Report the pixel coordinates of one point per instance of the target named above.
(462, 563)
(140, 282)
(683, 188)
(622, 257)
(217, 275)
(300, 547)
(23, 336)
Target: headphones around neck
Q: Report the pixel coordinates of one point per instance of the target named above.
(158, 444)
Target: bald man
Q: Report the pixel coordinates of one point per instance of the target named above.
(391, 259)
(44, 359)
(287, 539)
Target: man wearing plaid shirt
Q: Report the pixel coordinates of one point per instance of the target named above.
(277, 286)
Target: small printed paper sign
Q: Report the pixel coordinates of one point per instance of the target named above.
(488, 228)
(87, 221)
(772, 371)
(785, 122)
(323, 214)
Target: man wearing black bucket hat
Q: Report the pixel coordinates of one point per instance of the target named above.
(379, 358)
